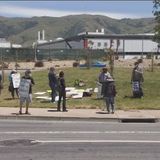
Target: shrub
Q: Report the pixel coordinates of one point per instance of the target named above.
(75, 64)
(49, 59)
(39, 64)
(28, 60)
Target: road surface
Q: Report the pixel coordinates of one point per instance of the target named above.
(78, 140)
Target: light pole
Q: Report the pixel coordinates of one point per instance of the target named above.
(2, 65)
(35, 52)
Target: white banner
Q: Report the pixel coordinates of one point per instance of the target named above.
(24, 87)
(16, 78)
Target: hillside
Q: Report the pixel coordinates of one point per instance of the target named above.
(24, 30)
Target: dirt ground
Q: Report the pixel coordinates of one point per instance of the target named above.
(69, 63)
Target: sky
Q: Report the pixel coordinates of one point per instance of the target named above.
(113, 9)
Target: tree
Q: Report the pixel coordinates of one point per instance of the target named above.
(156, 12)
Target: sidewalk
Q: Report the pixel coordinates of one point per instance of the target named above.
(88, 114)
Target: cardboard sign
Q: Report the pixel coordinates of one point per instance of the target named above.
(24, 87)
(16, 80)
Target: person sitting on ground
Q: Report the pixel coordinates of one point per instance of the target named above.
(28, 98)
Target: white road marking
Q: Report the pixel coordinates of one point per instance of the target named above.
(97, 141)
(83, 132)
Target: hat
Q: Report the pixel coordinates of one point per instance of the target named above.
(13, 71)
(28, 71)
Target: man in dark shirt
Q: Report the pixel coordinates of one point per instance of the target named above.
(52, 83)
(62, 92)
(109, 95)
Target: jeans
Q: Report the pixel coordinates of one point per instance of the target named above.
(110, 104)
(62, 94)
(53, 94)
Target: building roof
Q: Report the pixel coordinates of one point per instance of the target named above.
(87, 35)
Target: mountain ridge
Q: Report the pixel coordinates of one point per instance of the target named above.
(25, 30)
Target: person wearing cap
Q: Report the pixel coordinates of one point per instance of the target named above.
(11, 87)
(52, 83)
(109, 95)
(27, 99)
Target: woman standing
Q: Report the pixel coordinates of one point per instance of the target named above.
(62, 92)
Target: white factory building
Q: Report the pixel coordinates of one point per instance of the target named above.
(6, 44)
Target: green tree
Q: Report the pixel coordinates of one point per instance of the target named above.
(156, 12)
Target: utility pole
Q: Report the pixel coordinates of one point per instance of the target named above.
(2, 65)
(35, 52)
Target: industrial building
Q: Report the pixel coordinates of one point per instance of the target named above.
(124, 44)
(6, 44)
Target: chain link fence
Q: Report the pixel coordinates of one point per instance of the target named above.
(27, 54)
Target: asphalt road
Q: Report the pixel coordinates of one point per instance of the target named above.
(78, 140)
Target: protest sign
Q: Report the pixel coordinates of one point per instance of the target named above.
(16, 80)
(24, 87)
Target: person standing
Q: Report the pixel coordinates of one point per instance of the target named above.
(137, 79)
(11, 88)
(102, 78)
(62, 92)
(26, 97)
(109, 95)
(52, 83)
(1, 84)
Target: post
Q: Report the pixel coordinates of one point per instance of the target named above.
(2, 66)
(16, 65)
(152, 61)
(35, 52)
(142, 48)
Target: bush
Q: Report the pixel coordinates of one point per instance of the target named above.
(75, 64)
(49, 59)
(28, 60)
(39, 64)
(17, 65)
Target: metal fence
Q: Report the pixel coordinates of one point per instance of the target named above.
(28, 54)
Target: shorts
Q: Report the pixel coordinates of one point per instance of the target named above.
(26, 99)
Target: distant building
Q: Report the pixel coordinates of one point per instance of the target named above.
(6, 44)
(125, 44)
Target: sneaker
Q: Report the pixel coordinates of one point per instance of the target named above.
(27, 113)
(65, 110)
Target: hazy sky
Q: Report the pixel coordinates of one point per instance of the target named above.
(114, 9)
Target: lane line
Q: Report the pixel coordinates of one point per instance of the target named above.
(97, 141)
(83, 132)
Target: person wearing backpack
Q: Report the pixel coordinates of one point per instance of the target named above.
(62, 92)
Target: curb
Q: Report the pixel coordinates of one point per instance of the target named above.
(121, 120)
(24, 117)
